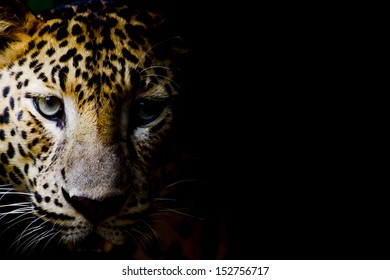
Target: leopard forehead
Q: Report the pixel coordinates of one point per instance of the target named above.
(102, 49)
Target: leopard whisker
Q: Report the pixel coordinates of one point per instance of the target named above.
(50, 239)
(164, 199)
(176, 211)
(134, 235)
(174, 184)
(23, 211)
(133, 238)
(156, 45)
(60, 239)
(151, 229)
(19, 219)
(57, 221)
(153, 83)
(15, 204)
(144, 239)
(32, 241)
(143, 235)
(36, 232)
(155, 67)
(18, 242)
(21, 235)
(8, 189)
(36, 237)
(39, 237)
(14, 223)
(143, 77)
(12, 191)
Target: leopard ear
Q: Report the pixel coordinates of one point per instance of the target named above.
(16, 20)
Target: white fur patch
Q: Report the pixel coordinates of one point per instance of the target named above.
(142, 133)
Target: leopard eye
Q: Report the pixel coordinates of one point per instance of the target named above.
(147, 111)
(50, 107)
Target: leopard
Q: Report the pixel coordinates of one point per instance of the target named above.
(90, 96)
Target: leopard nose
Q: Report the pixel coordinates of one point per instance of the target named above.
(95, 210)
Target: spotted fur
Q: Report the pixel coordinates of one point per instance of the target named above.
(88, 96)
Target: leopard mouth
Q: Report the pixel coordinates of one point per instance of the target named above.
(101, 240)
(91, 244)
(95, 247)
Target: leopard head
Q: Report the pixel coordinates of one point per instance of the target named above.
(88, 96)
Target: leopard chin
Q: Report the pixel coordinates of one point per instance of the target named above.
(92, 244)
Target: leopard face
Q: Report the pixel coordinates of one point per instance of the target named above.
(88, 96)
